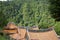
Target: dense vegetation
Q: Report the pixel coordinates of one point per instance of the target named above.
(30, 13)
(55, 13)
(27, 13)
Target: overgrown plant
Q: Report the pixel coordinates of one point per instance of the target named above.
(46, 22)
(27, 12)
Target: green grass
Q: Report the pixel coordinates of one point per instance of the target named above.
(57, 28)
(2, 38)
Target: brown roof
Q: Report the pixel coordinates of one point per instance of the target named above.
(11, 25)
(49, 35)
(10, 31)
(20, 35)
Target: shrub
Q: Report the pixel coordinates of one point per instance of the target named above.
(57, 28)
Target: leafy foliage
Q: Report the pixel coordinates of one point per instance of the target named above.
(57, 28)
(2, 38)
(27, 13)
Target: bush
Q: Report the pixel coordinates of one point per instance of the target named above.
(57, 28)
(24, 13)
(2, 38)
(46, 21)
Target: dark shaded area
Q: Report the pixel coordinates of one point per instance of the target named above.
(8, 10)
(1, 34)
(3, 20)
(55, 9)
